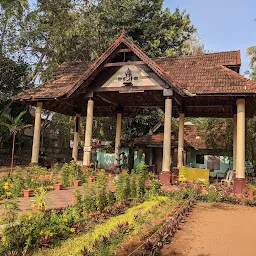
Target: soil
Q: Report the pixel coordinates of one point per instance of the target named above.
(214, 229)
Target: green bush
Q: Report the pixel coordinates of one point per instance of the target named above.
(122, 184)
(89, 201)
(66, 175)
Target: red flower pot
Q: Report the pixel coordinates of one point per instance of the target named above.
(36, 207)
(250, 192)
(91, 179)
(58, 186)
(28, 192)
(77, 183)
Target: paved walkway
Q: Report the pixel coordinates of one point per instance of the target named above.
(215, 230)
(54, 199)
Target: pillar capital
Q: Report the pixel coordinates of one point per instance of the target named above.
(240, 101)
(39, 104)
(168, 92)
(119, 109)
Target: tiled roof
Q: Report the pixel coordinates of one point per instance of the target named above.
(200, 74)
(193, 137)
(64, 78)
(197, 142)
(207, 73)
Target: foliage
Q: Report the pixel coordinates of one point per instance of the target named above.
(122, 184)
(71, 172)
(155, 187)
(77, 243)
(13, 78)
(15, 126)
(40, 197)
(11, 211)
(142, 174)
(90, 199)
(65, 175)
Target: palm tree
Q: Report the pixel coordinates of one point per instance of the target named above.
(14, 125)
(251, 51)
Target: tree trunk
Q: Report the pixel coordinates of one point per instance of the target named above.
(13, 147)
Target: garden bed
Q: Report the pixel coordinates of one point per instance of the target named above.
(132, 218)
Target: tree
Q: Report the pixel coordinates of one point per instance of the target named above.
(15, 126)
(58, 31)
(11, 16)
(154, 28)
(46, 30)
(13, 78)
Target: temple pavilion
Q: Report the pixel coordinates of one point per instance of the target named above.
(124, 79)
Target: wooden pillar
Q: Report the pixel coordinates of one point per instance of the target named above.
(165, 176)
(240, 150)
(118, 136)
(181, 140)
(88, 134)
(234, 141)
(37, 131)
(76, 138)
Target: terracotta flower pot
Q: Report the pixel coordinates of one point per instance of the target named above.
(28, 192)
(35, 207)
(77, 183)
(203, 190)
(250, 192)
(58, 186)
(91, 179)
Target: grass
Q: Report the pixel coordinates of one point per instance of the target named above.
(75, 244)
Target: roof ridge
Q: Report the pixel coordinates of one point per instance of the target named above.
(196, 55)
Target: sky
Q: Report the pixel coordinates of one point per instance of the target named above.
(222, 24)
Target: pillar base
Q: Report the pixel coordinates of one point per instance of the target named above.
(239, 185)
(33, 164)
(165, 178)
(85, 168)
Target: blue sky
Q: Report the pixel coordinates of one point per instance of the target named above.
(223, 24)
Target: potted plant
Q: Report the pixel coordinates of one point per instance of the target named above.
(28, 192)
(77, 174)
(39, 202)
(250, 190)
(203, 189)
(92, 177)
(77, 183)
(58, 186)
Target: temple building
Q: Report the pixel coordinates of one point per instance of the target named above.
(124, 79)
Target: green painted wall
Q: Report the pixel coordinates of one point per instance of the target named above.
(106, 160)
(224, 162)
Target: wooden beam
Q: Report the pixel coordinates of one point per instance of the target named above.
(124, 50)
(128, 88)
(107, 100)
(120, 64)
